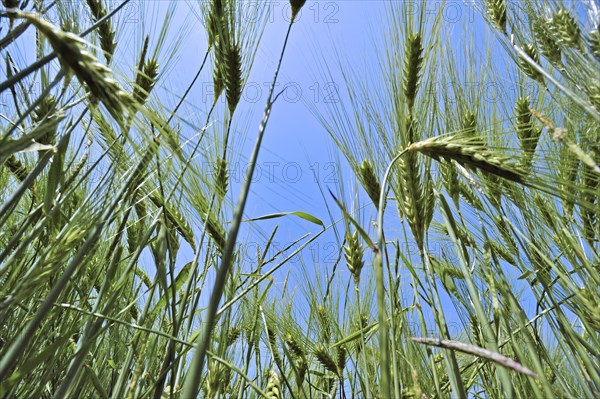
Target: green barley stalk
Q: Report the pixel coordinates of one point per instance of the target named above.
(194, 373)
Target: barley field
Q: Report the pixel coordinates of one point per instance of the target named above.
(462, 237)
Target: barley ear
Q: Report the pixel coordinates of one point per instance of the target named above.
(496, 10)
(147, 80)
(213, 379)
(294, 346)
(567, 28)
(324, 322)
(221, 178)
(232, 335)
(594, 42)
(450, 180)
(273, 344)
(526, 131)
(296, 6)
(527, 68)
(273, 386)
(73, 55)
(547, 41)
(369, 180)
(105, 31)
(411, 187)
(469, 122)
(323, 357)
(412, 67)
(468, 152)
(140, 71)
(215, 22)
(353, 252)
(341, 360)
(232, 71)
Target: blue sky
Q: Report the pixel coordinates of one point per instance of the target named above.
(296, 146)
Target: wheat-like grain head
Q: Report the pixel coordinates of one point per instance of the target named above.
(105, 31)
(215, 22)
(413, 64)
(322, 354)
(324, 322)
(341, 360)
(232, 73)
(496, 10)
(412, 188)
(146, 80)
(353, 252)
(294, 346)
(370, 182)
(221, 178)
(232, 335)
(547, 41)
(470, 153)
(73, 55)
(273, 385)
(296, 6)
(469, 122)
(594, 42)
(527, 68)
(569, 33)
(272, 337)
(527, 133)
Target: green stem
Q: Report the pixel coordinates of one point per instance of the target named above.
(194, 375)
(378, 265)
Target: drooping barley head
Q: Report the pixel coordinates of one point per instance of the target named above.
(73, 55)
(468, 152)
